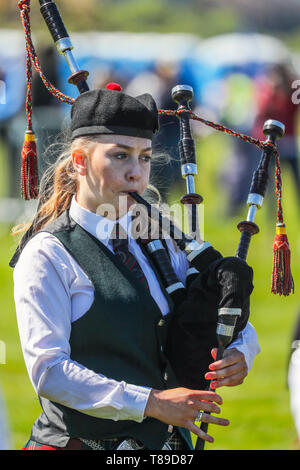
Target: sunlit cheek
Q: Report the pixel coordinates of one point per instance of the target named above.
(146, 178)
(111, 182)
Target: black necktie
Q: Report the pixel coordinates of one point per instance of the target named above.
(120, 247)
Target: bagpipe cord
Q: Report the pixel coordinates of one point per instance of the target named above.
(282, 280)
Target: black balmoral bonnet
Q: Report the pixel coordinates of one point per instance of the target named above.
(110, 111)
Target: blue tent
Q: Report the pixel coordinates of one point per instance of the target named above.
(12, 72)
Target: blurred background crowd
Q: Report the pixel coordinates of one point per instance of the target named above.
(241, 58)
(240, 77)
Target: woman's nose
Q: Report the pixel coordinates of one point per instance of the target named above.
(134, 171)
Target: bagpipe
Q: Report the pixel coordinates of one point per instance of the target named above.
(213, 306)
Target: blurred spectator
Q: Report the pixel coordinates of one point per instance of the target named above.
(159, 83)
(294, 378)
(238, 113)
(103, 75)
(274, 101)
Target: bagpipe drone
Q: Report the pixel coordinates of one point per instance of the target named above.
(213, 307)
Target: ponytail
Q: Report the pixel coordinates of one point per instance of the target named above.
(57, 188)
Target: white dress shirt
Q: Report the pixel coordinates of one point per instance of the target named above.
(52, 291)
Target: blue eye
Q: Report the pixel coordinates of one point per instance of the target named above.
(146, 158)
(120, 156)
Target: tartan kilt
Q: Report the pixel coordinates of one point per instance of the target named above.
(175, 441)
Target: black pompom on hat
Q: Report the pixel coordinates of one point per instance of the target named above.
(110, 111)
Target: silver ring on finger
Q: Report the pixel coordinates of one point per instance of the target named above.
(199, 416)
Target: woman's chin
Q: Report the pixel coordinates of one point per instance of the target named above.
(122, 204)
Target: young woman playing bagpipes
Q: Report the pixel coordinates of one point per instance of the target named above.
(93, 314)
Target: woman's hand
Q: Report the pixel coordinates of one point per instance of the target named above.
(181, 406)
(229, 371)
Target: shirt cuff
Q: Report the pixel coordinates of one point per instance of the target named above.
(136, 399)
(247, 343)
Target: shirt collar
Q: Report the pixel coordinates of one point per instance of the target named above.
(98, 226)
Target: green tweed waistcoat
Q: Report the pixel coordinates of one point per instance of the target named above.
(122, 336)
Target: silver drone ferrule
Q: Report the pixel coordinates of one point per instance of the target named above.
(226, 328)
(191, 271)
(251, 213)
(174, 287)
(188, 171)
(273, 122)
(229, 311)
(194, 248)
(190, 184)
(179, 88)
(255, 201)
(64, 46)
(154, 245)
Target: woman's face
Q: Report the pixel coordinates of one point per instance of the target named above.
(116, 165)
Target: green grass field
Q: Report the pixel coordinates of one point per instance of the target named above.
(259, 409)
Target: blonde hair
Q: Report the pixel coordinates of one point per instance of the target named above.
(59, 184)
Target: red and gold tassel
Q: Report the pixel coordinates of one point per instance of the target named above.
(29, 153)
(282, 279)
(30, 177)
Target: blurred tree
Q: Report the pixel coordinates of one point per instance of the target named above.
(201, 17)
(130, 15)
(266, 16)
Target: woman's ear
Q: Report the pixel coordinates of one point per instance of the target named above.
(80, 162)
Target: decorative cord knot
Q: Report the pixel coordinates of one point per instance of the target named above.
(24, 4)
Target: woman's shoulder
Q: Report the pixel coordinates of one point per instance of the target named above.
(42, 241)
(43, 250)
(31, 241)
